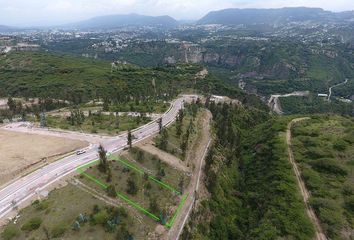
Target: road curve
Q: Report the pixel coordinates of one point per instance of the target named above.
(30, 185)
(330, 89)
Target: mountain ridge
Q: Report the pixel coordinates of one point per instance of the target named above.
(122, 20)
(247, 16)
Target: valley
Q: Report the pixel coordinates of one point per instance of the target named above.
(235, 125)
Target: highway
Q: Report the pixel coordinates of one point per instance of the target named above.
(28, 186)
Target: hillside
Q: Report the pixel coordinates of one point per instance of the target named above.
(267, 67)
(58, 76)
(273, 16)
(4, 28)
(323, 148)
(115, 21)
(252, 187)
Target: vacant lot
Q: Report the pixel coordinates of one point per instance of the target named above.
(20, 152)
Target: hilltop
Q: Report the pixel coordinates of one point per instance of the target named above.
(116, 21)
(234, 16)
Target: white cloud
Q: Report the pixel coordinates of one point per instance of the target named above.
(46, 12)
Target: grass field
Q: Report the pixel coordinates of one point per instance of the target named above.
(56, 216)
(324, 148)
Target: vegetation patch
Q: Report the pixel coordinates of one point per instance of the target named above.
(135, 186)
(72, 213)
(252, 186)
(323, 147)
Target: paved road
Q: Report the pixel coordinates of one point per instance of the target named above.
(30, 185)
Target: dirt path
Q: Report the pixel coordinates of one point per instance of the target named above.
(274, 102)
(304, 192)
(330, 89)
(197, 158)
(166, 157)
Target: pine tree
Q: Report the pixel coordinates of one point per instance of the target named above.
(130, 138)
(103, 165)
(160, 125)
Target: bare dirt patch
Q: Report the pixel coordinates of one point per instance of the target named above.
(22, 152)
(165, 156)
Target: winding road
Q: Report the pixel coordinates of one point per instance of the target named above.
(330, 89)
(29, 186)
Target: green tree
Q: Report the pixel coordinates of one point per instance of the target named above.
(109, 175)
(12, 104)
(154, 207)
(159, 121)
(130, 139)
(132, 188)
(163, 140)
(111, 191)
(103, 165)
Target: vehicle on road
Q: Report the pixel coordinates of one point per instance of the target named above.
(80, 152)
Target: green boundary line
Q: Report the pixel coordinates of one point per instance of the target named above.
(87, 165)
(138, 206)
(132, 166)
(95, 180)
(129, 201)
(170, 224)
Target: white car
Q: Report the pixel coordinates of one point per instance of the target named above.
(80, 152)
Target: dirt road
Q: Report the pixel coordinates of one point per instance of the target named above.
(303, 190)
(274, 102)
(330, 89)
(199, 152)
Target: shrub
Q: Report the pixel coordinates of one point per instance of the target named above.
(330, 166)
(340, 145)
(58, 231)
(10, 232)
(111, 191)
(32, 224)
(41, 205)
(349, 204)
(100, 217)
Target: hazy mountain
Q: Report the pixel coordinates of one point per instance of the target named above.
(273, 16)
(113, 21)
(4, 28)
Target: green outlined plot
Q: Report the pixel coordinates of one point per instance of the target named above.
(170, 219)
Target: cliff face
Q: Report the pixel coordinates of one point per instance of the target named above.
(192, 53)
(267, 59)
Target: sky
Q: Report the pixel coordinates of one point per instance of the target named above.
(54, 12)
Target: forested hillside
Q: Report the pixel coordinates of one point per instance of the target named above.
(253, 190)
(62, 77)
(266, 65)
